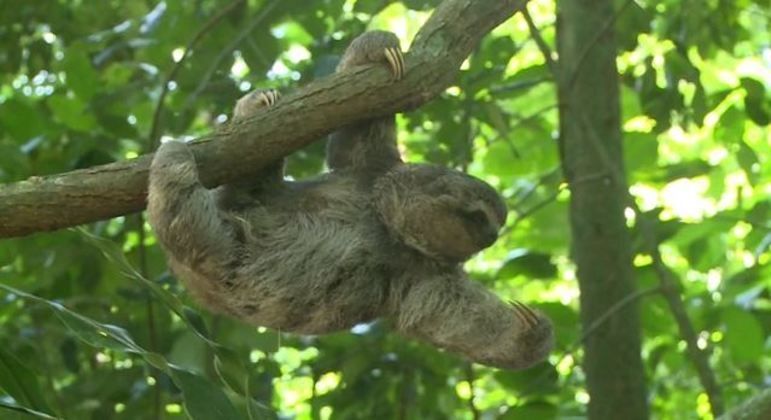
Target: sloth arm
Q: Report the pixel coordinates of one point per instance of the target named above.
(463, 317)
(368, 146)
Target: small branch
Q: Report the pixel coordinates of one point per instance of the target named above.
(538, 206)
(671, 292)
(238, 150)
(234, 43)
(756, 408)
(597, 323)
(541, 43)
(470, 378)
(208, 26)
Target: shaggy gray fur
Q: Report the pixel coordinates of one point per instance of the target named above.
(373, 238)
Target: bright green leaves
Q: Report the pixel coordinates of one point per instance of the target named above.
(695, 113)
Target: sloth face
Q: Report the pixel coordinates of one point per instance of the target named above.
(444, 214)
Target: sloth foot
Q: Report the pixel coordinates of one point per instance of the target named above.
(254, 100)
(374, 47)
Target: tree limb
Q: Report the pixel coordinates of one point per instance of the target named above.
(756, 408)
(302, 116)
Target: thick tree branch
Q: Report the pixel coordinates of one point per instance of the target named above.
(42, 204)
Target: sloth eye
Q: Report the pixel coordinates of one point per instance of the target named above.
(477, 217)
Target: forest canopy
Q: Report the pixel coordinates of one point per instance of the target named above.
(95, 326)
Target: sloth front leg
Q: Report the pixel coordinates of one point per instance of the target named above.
(240, 194)
(368, 147)
(463, 317)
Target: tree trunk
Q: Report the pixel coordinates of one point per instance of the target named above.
(590, 147)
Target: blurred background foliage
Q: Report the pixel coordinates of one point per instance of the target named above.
(93, 325)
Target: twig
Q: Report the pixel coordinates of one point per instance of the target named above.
(470, 378)
(670, 288)
(207, 75)
(209, 25)
(522, 197)
(541, 43)
(150, 313)
(596, 324)
(538, 206)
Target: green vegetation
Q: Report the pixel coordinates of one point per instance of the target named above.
(92, 325)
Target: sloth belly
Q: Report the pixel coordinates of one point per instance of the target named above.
(313, 276)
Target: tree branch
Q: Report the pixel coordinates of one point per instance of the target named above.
(302, 116)
(756, 408)
(670, 286)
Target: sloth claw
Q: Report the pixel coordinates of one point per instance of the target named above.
(524, 314)
(395, 60)
(268, 97)
(254, 100)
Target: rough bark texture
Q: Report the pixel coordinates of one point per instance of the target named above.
(305, 115)
(593, 166)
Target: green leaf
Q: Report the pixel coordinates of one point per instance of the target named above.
(630, 103)
(539, 379)
(229, 366)
(203, 400)
(686, 169)
(22, 120)
(564, 319)
(539, 410)
(743, 335)
(115, 255)
(71, 112)
(534, 265)
(755, 101)
(21, 382)
(749, 162)
(640, 153)
(631, 23)
(7, 405)
(81, 75)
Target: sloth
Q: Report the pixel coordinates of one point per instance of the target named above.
(372, 238)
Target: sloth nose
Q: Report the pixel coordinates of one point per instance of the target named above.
(488, 236)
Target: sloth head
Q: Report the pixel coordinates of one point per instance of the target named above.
(445, 214)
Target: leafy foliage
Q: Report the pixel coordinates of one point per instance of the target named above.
(95, 327)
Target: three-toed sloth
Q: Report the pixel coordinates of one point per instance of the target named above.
(373, 238)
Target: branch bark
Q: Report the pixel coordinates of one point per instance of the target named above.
(446, 39)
